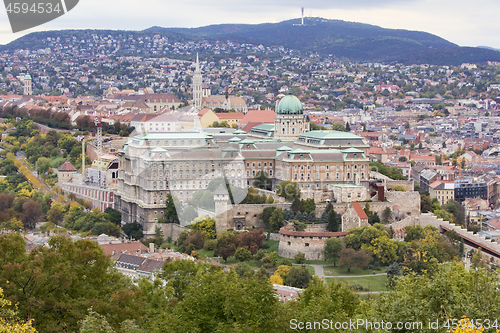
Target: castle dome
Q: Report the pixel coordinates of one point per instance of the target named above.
(289, 105)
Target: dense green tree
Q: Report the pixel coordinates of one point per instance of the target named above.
(300, 258)
(350, 258)
(66, 278)
(288, 190)
(334, 221)
(387, 216)
(298, 277)
(276, 220)
(114, 216)
(296, 205)
(170, 215)
(262, 181)
(226, 245)
(242, 254)
(43, 165)
(133, 229)
(331, 250)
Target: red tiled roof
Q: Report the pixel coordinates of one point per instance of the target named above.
(67, 166)
(259, 116)
(361, 213)
(118, 249)
(230, 115)
(312, 234)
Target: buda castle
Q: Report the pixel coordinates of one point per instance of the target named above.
(151, 165)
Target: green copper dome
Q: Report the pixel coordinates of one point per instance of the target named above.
(289, 105)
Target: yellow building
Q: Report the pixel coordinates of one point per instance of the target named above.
(207, 117)
(442, 190)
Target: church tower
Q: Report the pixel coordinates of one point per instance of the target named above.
(222, 205)
(28, 88)
(290, 121)
(197, 86)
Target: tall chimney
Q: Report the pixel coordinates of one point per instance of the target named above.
(83, 160)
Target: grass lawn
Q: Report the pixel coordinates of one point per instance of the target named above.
(371, 283)
(273, 245)
(317, 262)
(205, 253)
(56, 162)
(311, 270)
(333, 271)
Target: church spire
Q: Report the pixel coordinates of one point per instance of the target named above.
(197, 85)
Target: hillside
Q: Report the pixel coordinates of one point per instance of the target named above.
(340, 39)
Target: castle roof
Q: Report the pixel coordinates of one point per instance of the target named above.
(67, 166)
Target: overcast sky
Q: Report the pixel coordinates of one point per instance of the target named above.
(464, 22)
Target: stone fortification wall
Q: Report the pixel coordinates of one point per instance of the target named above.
(172, 230)
(318, 196)
(407, 184)
(430, 219)
(276, 197)
(309, 243)
(250, 214)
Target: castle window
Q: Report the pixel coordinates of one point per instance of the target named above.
(337, 175)
(348, 175)
(289, 243)
(270, 164)
(307, 244)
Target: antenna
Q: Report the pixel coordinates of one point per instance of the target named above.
(302, 15)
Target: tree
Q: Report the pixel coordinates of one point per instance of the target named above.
(205, 225)
(32, 212)
(276, 220)
(289, 190)
(298, 277)
(9, 323)
(114, 216)
(95, 323)
(226, 245)
(374, 219)
(308, 205)
(251, 240)
(300, 258)
(425, 203)
(351, 258)
(188, 214)
(170, 215)
(296, 205)
(331, 250)
(266, 215)
(43, 165)
(393, 272)
(477, 259)
(262, 181)
(242, 254)
(334, 221)
(413, 233)
(243, 268)
(387, 215)
(64, 277)
(133, 230)
(347, 127)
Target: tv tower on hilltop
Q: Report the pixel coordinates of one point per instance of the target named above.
(302, 15)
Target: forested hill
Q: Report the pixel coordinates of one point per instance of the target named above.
(356, 41)
(340, 39)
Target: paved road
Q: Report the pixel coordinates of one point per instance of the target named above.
(320, 272)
